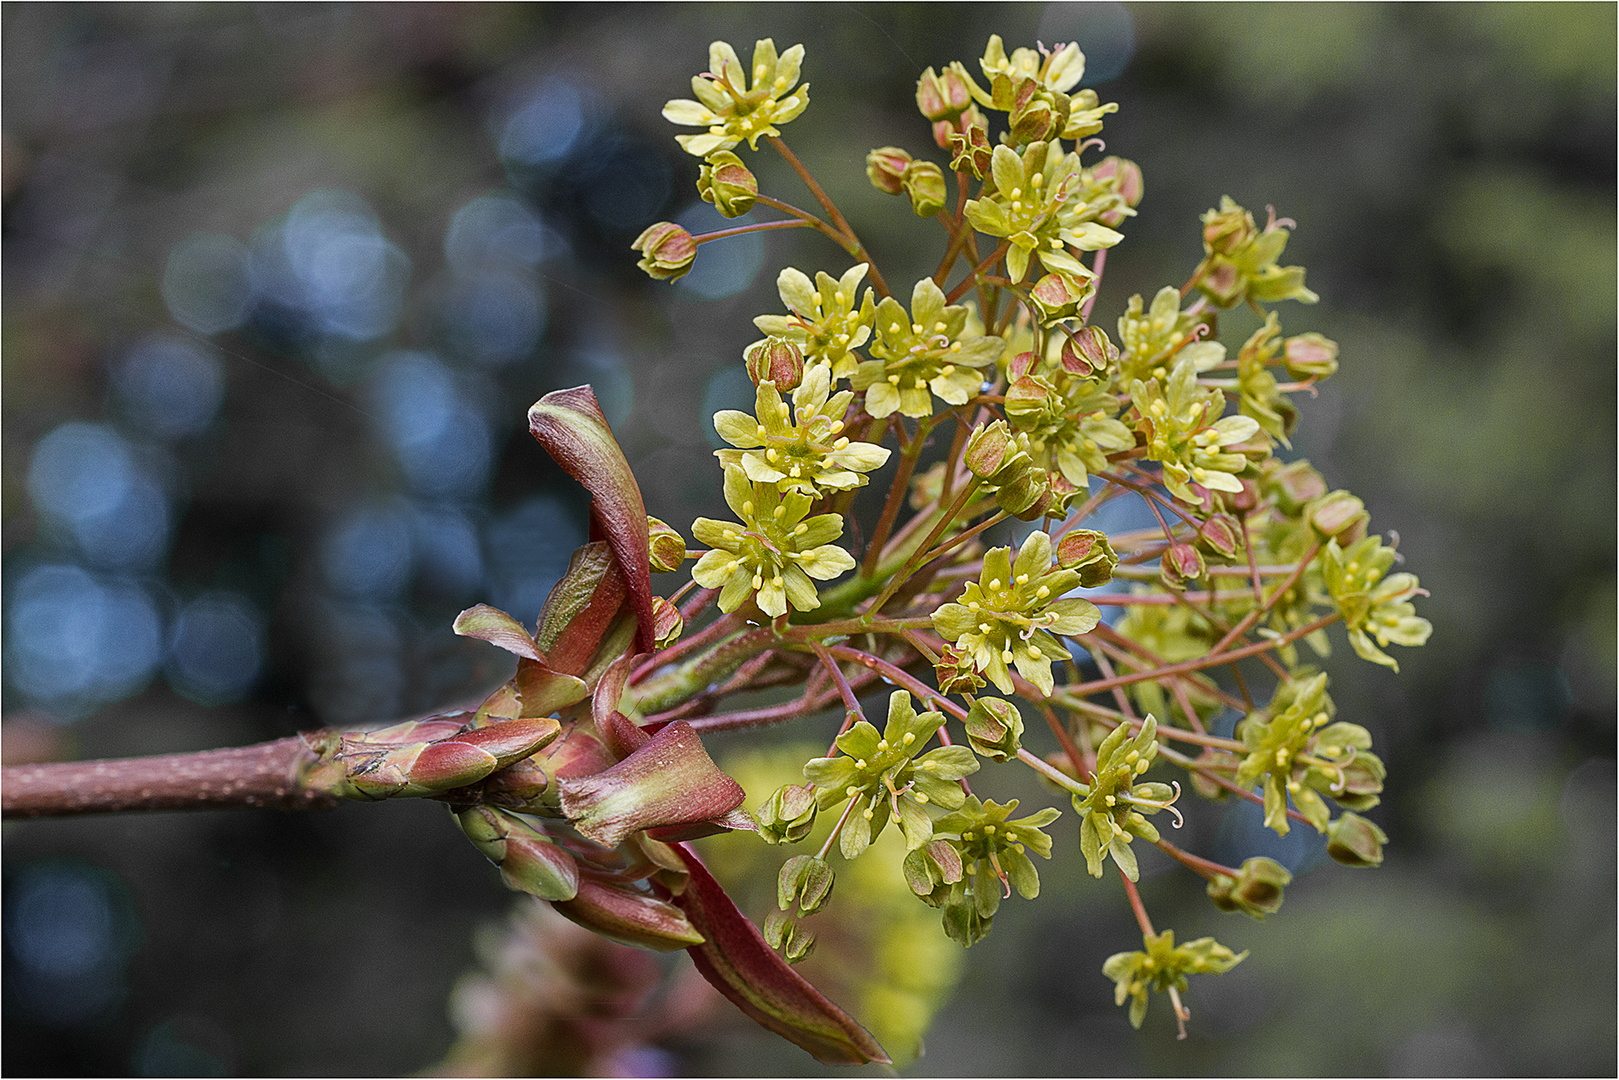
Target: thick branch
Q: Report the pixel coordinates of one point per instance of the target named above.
(269, 774)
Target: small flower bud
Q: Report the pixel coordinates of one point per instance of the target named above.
(1256, 889)
(1059, 295)
(1124, 177)
(1227, 229)
(1088, 351)
(1089, 552)
(1035, 120)
(930, 97)
(1340, 516)
(1354, 841)
(788, 815)
(1221, 536)
(1311, 356)
(728, 184)
(667, 251)
(1026, 497)
(628, 915)
(668, 549)
(1180, 564)
(667, 625)
(885, 168)
(988, 448)
(805, 882)
(924, 183)
(1296, 484)
(775, 359)
(994, 728)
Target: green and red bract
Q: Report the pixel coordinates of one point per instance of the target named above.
(571, 427)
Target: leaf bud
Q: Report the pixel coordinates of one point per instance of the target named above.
(1180, 564)
(788, 815)
(1354, 841)
(667, 251)
(804, 881)
(775, 359)
(1311, 356)
(667, 625)
(885, 168)
(1089, 552)
(1256, 889)
(994, 728)
(1220, 535)
(1088, 351)
(627, 915)
(1340, 516)
(667, 547)
(924, 183)
(1059, 295)
(728, 184)
(970, 151)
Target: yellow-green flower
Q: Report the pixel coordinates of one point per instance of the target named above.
(1241, 259)
(825, 321)
(987, 857)
(1163, 967)
(1259, 397)
(805, 453)
(1071, 423)
(1185, 432)
(1153, 339)
(1042, 201)
(1299, 753)
(931, 349)
(1373, 605)
(886, 778)
(773, 553)
(1053, 73)
(1010, 614)
(1112, 811)
(729, 109)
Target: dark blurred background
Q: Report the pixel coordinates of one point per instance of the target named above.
(280, 281)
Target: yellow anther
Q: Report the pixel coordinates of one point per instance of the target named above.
(801, 528)
(771, 455)
(919, 796)
(916, 328)
(780, 511)
(837, 426)
(1042, 592)
(973, 605)
(1141, 766)
(866, 813)
(989, 830)
(910, 737)
(893, 380)
(851, 791)
(1023, 579)
(860, 763)
(939, 328)
(1109, 800)
(994, 583)
(1006, 656)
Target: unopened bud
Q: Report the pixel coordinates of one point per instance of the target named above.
(1296, 484)
(1220, 535)
(805, 882)
(923, 181)
(885, 167)
(1089, 552)
(1059, 295)
(1354, 841)
(1340, 516)
(775, 359)
(1123, 176)
(1088, 351)
(667, 625)
(528, 860)
(1256, 889)
(728, 184)
(994, 728)
(667, 548)
(1180, 564)
(1311, 356)
(1026, 497)
(988, 448)
(788, 815)
(667, 251)
(1228, 228)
